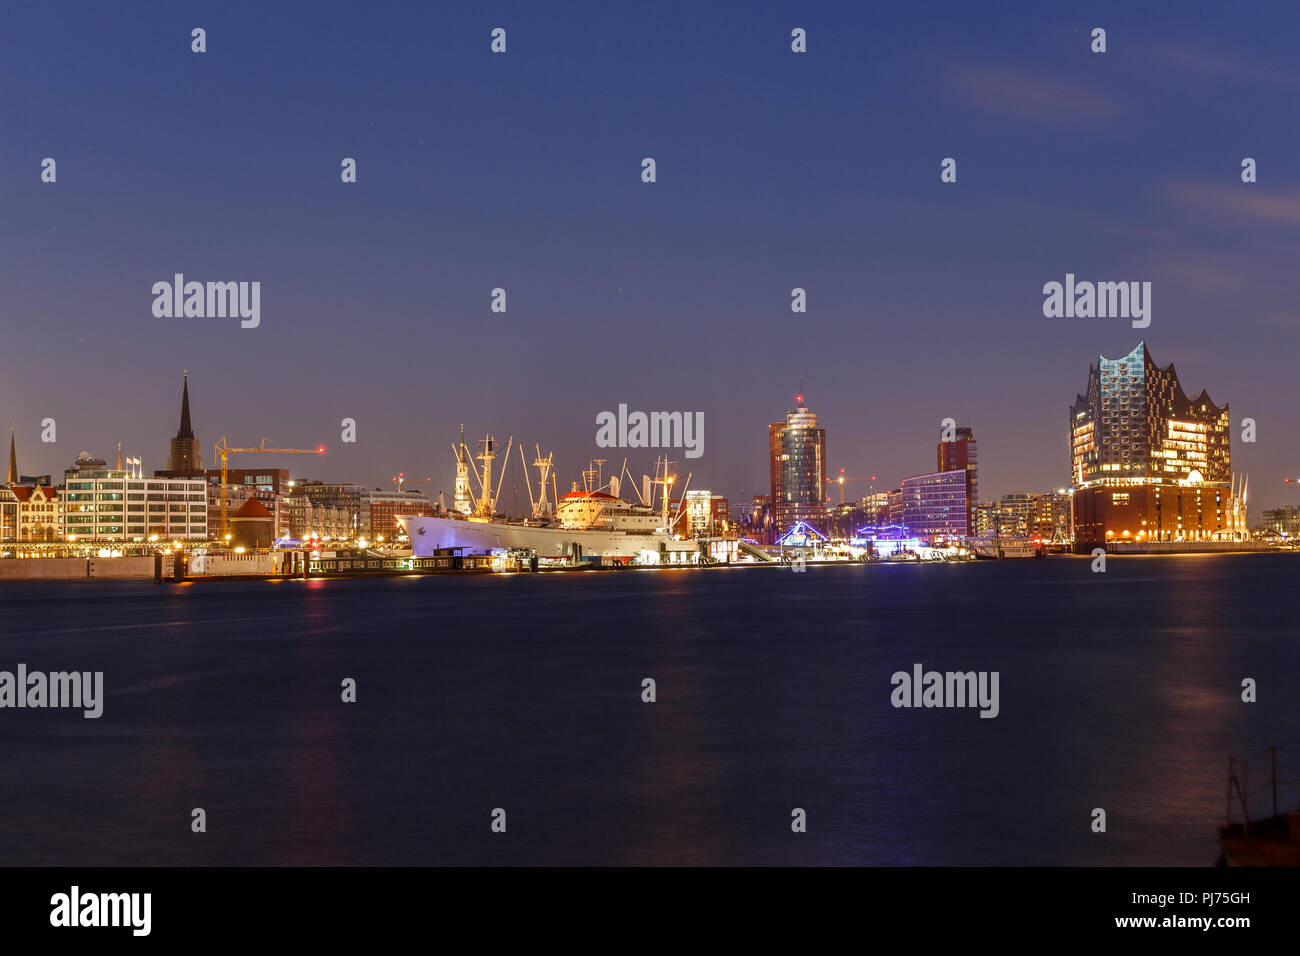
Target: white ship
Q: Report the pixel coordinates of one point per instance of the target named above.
(1005, 546)
(588, 521)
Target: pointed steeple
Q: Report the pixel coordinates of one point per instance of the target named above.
(13, 459)
(186, 431)
(185, 456)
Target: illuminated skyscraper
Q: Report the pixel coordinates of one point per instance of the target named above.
(936, 506)
(962, 454)
(797, 450)
(1148, 463)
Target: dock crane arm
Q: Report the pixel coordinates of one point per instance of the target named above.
(224, 451)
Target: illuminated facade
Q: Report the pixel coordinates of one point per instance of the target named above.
(328, 499)
(108, 504)
(30, 509)
(267, 485)
(701, 515)
(797, 458)
(1013, 514)
(380, 508)
(936, 506)
(962, 453)
(1051, 519)
(8, 515)
(1147, 462)
(40, 513)
(299, 518)
(1284, 521)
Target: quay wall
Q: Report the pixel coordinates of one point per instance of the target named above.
(69, 569)
(1178, 547)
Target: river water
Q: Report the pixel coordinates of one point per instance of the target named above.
(1120, 691)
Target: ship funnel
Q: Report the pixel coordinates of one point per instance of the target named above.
(613, 487)
(645, 489)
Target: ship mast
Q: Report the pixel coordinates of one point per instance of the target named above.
(543, 465)
(593, 476)
(666, 481)
(487, 456)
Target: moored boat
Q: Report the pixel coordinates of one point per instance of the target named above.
(591, 520)
(1269, 841)
(1005, 546)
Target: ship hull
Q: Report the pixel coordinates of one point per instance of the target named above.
(1273, 841)
(1239, 852)
(429, 534)
(1011, 552)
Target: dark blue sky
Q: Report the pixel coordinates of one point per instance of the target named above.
(522, 170)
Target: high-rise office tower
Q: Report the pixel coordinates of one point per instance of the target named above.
(962, 454)
(797, 452)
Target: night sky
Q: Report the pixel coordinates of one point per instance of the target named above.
(523, 171)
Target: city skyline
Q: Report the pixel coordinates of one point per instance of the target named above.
(186, 443)
(775, 172)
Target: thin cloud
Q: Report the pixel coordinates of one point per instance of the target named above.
(1280, 319)
(1031, 96)
(1244, 201)
(1202, 62)
(1207, 273)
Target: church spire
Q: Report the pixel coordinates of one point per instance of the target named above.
(13, 459)
(186, 431)
(185, 456)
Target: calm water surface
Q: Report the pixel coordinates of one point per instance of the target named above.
(1119, 691)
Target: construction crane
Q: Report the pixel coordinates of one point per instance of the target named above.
(841, 479)
(223, 450)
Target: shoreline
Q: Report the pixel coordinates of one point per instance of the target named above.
(164, 572)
